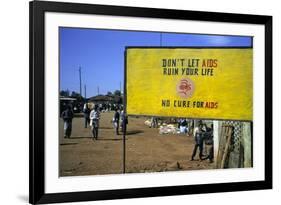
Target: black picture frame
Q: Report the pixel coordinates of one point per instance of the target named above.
(37, 9)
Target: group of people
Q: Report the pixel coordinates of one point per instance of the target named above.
(91, 116)
(203, 137)
(183, 125)
(116, 121)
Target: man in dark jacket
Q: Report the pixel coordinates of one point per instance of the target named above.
(209, 143)
(124, 123)
(116, 119)
(86, 111)
(67, 116)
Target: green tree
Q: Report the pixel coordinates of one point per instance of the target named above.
(64, 93)
(77, 96)
(117, 92)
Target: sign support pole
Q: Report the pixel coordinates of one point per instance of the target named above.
(124, 127)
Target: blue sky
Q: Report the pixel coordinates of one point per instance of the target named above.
(100, 53)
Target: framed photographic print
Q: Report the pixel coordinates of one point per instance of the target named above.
(139, 102)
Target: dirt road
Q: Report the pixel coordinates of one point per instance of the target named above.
(146, 150)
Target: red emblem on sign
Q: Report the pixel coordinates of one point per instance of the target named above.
(185, 88)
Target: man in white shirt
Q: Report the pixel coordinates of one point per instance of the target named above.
(95, 117)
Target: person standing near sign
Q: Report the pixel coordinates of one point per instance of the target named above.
(209, 143)
(116, 119)
(124, 122)
(95, 117)
(198, 137)
(86, 111)
(67, 116)
(153, 123)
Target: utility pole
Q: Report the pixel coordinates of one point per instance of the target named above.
(85, 91)
(120, 88)
(80, 80)
(98, 90)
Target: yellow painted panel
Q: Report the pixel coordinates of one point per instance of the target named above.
(208, 83)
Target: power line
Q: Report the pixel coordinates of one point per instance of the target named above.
(80, 81)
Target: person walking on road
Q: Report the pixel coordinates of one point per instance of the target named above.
(116, 120)
(95, 117)
(124, 119)
(67, 116)
(86, 111)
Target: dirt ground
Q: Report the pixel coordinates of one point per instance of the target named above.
(146, 149)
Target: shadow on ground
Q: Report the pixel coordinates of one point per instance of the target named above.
(133, 132)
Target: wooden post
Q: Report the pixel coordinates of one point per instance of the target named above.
(224, 145)
(247, 144)
(228, 134)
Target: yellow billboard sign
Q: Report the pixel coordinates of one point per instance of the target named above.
(207, 83)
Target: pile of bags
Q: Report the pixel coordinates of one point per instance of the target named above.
(168, 129)
(147, 122)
